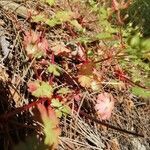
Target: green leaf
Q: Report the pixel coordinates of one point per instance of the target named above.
(50, 2)
(85, 81)
(90, 53)
(63, 16)
(145, 44)
(56, 103)
(84, 39)
(76, 24)
(51, 128)
(64, 90)
(60, 108)
(135, 41)
(58, 113)
(43, 90)
(103, 13)
(141, 92)
(52, 22)
(54, 69)
(104, 36)
(59, 17)
(39, 18)
(65, 110)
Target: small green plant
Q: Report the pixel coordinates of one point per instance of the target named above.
(140, 92)
(63, 70)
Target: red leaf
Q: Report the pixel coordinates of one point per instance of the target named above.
(50, 125)
(35, 44)
(104, 105)
(32, 86)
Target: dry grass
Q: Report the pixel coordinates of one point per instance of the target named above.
(80, 133)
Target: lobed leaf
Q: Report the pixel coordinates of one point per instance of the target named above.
(140, 92)
(40, 89)
(85, 81)
(60, 108)
(104, 105)
(50, 126)
(54, 69)
(64, 91)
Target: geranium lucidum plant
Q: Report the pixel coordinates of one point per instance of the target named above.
(50, 125)
(104, 105)
(35, 44)
(40, 89)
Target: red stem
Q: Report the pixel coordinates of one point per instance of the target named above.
(20, 109)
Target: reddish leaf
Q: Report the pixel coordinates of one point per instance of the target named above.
(104, 105)
(40, 89)
(50, 126)
(32, 86)
(35, 44)
(59, 48)
(120, 5)
(77, 96)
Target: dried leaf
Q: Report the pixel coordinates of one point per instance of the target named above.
(81, 53)
(115, 144)
(59, 48)
(85, 81)
(86, 68)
